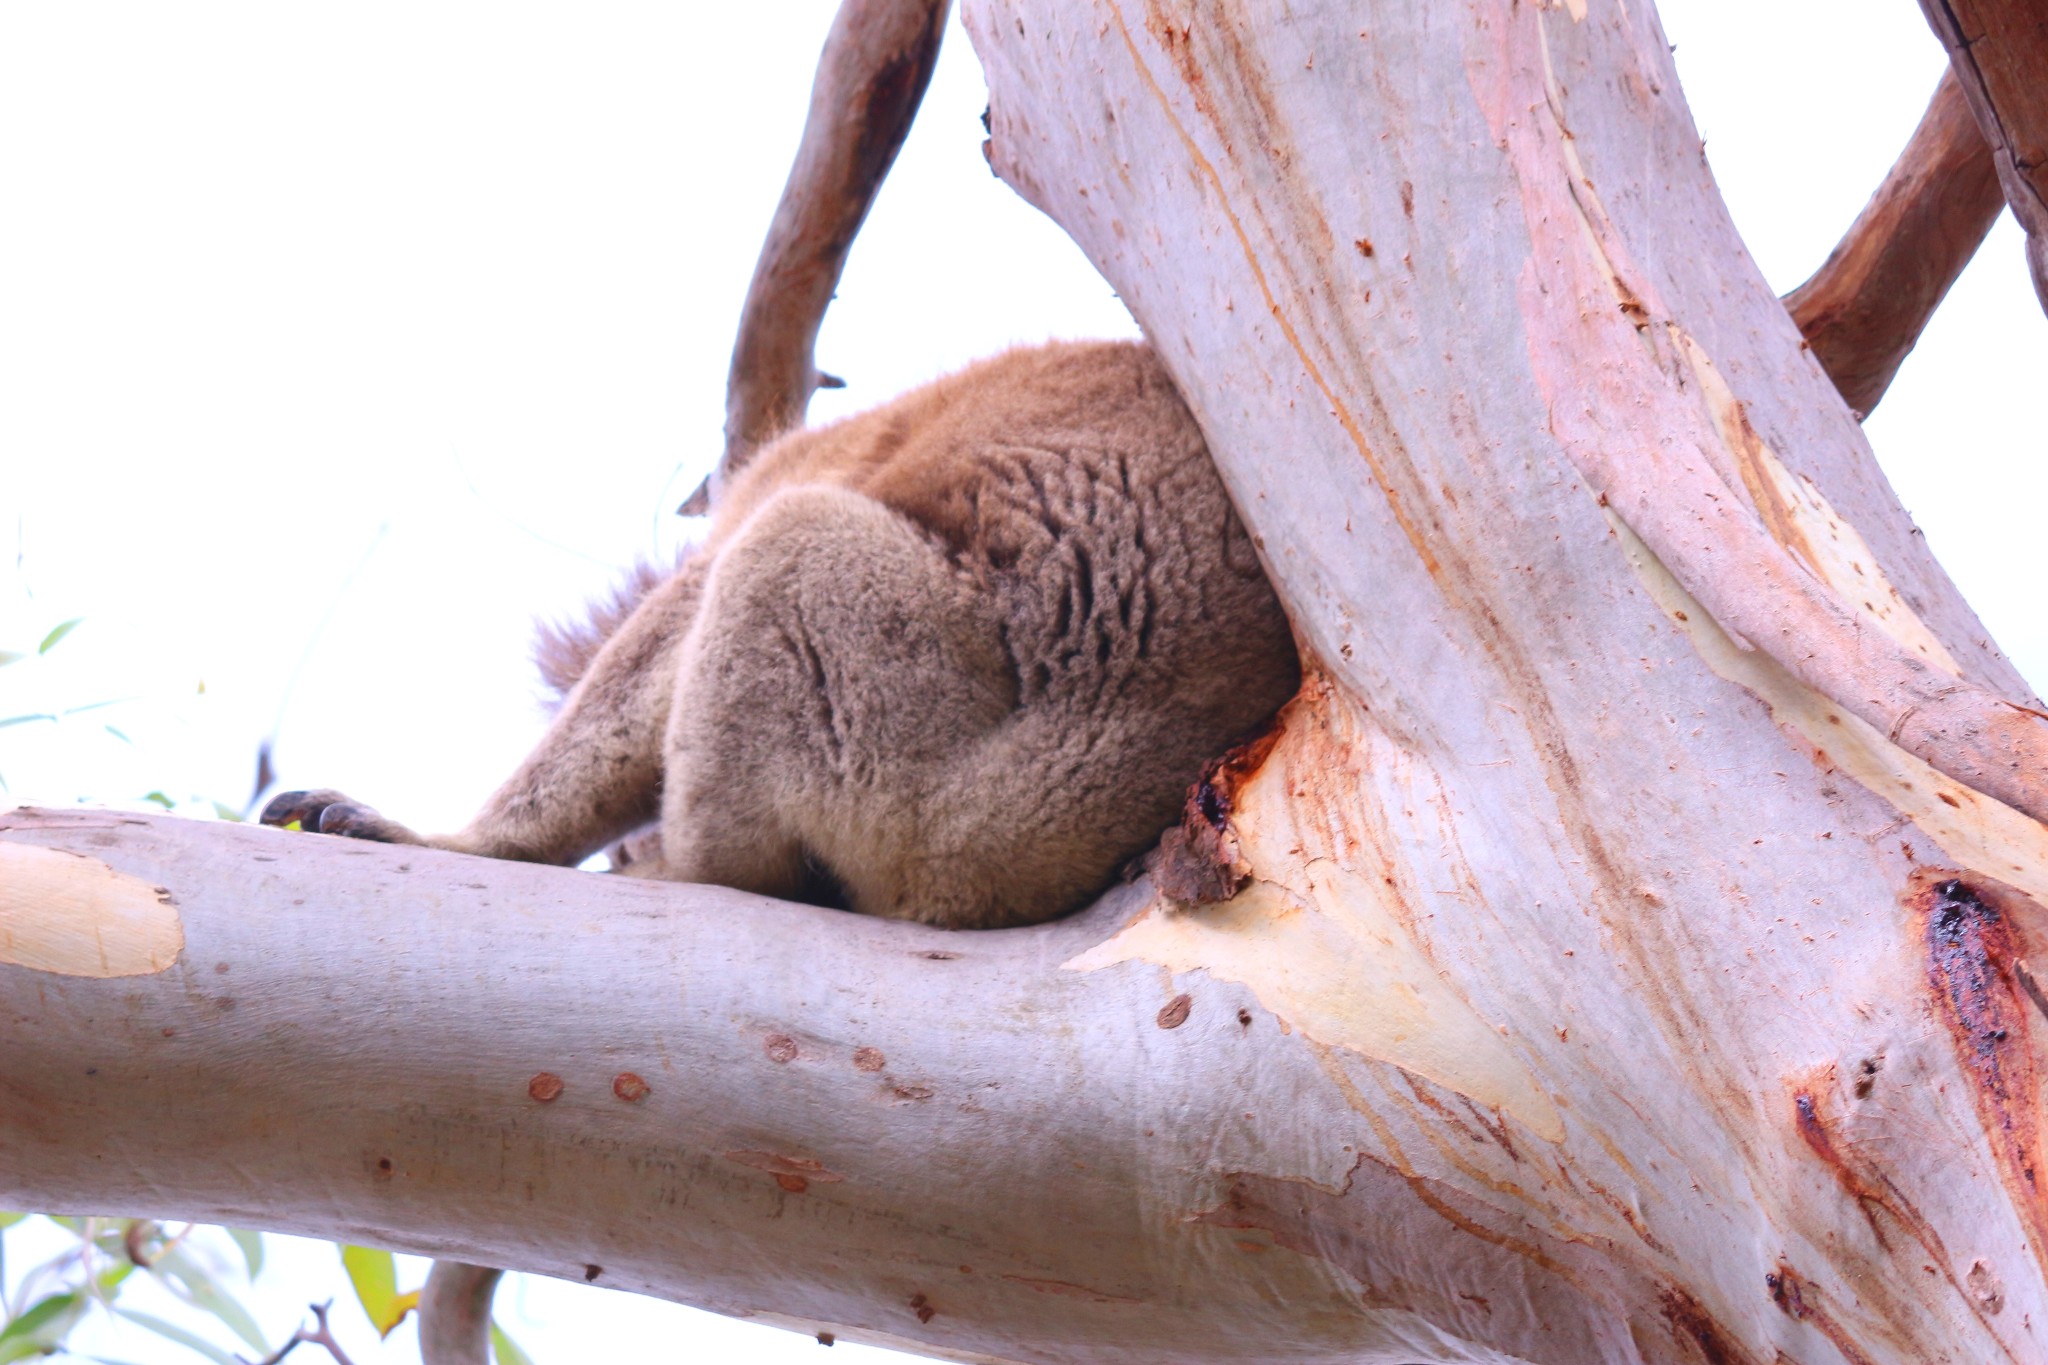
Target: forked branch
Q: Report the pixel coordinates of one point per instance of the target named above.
(871, 77)
(1999, 52)
(1866, 306)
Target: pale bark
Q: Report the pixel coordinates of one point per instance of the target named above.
(1616, 976)
(455, 1314)
(1870, 300)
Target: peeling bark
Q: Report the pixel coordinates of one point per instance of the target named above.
(1624, 950)
(1868, 303)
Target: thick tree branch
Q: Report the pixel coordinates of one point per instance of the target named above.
(1422, 510)
(1998, 50)
(1866, 306)
(1600, 988)
(871, 77)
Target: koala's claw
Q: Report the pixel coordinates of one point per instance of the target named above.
(329, 812)
(304, 807)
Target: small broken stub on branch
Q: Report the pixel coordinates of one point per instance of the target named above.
(1198, 862)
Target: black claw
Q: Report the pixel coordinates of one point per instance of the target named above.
(304, 807)
(354, 821)
(329, 812)
(350, 820)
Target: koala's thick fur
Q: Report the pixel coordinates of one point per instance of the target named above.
(956, 660)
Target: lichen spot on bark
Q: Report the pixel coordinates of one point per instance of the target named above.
(75, 916)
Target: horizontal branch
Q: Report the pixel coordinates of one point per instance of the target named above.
(1866, 306)
(1998, 50)
(936, 1140)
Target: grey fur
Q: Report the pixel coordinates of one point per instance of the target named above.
(962, 655)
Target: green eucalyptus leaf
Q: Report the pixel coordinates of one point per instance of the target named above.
(41, 1329)
(227, 812)
(118, 734)
(23, 720)
(94, 706)
(50, 641)
(170, 1331)
(505, 1350)
(184, 1276)
(251, 1244)
(160, 799)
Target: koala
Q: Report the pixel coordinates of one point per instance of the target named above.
(957, 660)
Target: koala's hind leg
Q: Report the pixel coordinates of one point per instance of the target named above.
(837, 665)
(594, 777)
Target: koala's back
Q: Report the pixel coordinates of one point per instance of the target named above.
(964, 654)
(955, 660)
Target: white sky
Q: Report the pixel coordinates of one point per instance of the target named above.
(337, 342)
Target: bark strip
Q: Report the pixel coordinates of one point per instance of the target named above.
(1998, 50)
(1866, 306)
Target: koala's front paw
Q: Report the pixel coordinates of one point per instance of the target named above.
(329, 812)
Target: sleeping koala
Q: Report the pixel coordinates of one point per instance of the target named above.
(955, 660)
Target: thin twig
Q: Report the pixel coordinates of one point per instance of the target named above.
(319, 1336)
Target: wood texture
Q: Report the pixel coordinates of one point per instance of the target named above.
(1523, 435)
(1999, 51)
(455, 1314)
(872, 75)
(1601, 985)
(1866, 306)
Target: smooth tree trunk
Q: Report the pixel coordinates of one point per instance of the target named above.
(1621, 951)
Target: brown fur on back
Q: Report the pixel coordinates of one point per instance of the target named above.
(956, 659)
(1108, 628)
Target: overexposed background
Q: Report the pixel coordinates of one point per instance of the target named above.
(338, 342)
